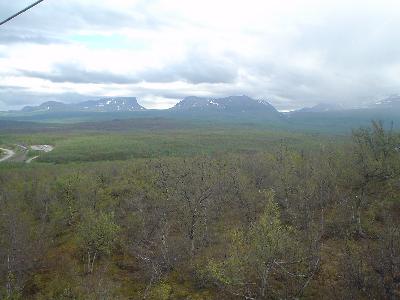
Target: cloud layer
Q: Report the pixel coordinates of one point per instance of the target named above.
(294, 53)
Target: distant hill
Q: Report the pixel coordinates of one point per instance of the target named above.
(232, 109)
(204, 111)
(321, 107)
(112, 104)
(238, 104)
(46, 106)
(392, 101)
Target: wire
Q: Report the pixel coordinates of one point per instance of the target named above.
(20, 12)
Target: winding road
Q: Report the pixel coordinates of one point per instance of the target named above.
(21, 156)
(28, 161)
(9, 154)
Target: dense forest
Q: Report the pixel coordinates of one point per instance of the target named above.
(292, 220)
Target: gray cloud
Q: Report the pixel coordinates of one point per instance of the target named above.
(13, 36)
(12, 98)
(74, 73)
(350, 54)
(197, 67)
(65, 16)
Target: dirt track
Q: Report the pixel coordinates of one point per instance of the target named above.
(9, 154)
(28, 161)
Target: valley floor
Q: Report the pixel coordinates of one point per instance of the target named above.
(227, 213)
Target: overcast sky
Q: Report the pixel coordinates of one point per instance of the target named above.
(292, 53)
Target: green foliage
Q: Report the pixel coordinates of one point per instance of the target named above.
(97, 235)
(98, 232)
(376, 153)
(161, 291)
(255, 255)
(188, 214)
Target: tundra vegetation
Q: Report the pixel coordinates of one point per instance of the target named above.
(186, 215)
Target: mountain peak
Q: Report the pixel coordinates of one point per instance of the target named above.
(109, 104)
(45, 106)
(241, 103)
(322, 107)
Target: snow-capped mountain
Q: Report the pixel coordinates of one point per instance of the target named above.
(112, 104)
(228, 104)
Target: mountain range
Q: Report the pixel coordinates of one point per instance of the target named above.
(232, 110)
(127, 104)
(113, 104)
(232, 104)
